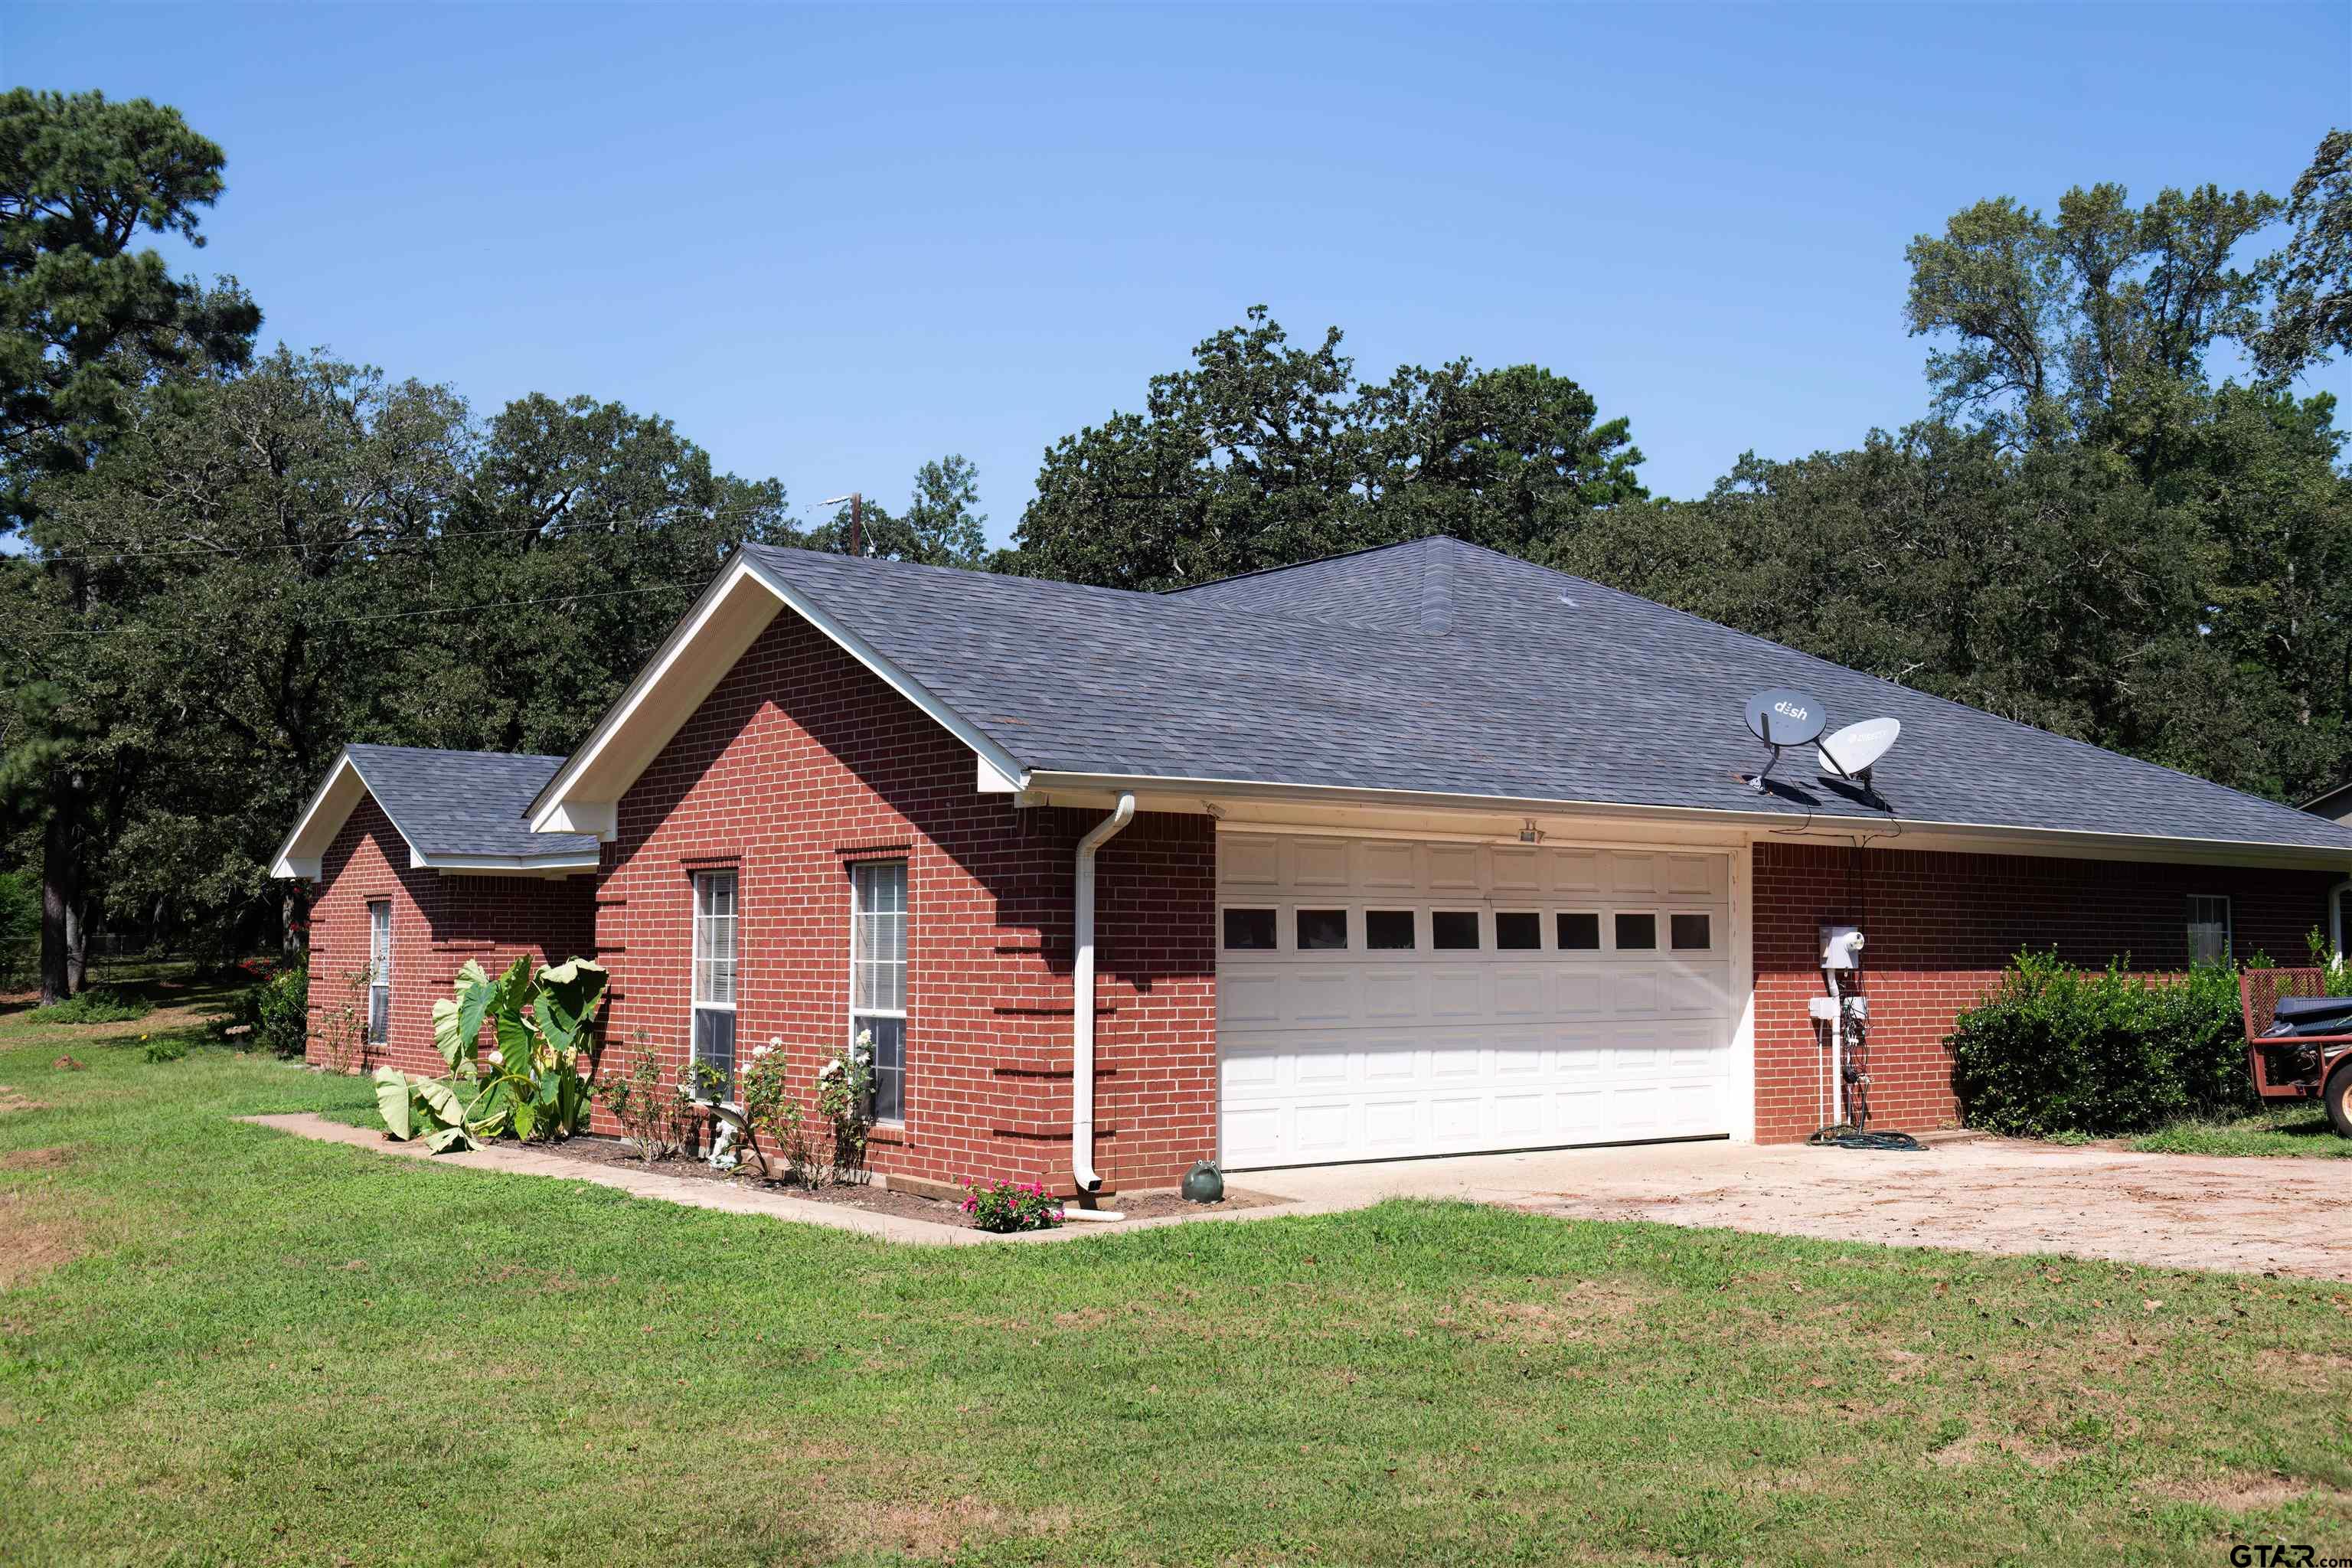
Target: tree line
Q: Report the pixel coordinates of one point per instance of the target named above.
(2115, 516)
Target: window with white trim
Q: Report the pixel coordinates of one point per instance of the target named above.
(714, 974)
(2209, 929)
(378, 1023)
(878, 977)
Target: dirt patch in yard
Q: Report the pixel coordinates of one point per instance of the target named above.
(11, 1099)
(2238, 1493)
(35, 1159)
(34, 1238)
(1973, 1449)
(941, 1529)
(1589, 1308)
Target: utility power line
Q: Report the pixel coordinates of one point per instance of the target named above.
(412, 614)
(102, 551)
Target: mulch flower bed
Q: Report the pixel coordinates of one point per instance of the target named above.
(877, 1199)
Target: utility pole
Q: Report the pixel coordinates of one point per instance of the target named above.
(856, 501)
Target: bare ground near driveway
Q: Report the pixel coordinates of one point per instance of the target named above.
(2281, 1216)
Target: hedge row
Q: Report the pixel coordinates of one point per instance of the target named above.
(2057, 1051)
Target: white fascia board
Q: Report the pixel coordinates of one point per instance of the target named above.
(1979, 839)
(564, 865)
(328, 808)
(898, 681)
(565, 806)
(554, 808)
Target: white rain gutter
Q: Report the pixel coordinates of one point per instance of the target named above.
(1082, 1011)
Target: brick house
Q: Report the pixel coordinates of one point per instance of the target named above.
(1419, 850)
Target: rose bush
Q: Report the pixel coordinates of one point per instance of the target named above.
(1010, 1205)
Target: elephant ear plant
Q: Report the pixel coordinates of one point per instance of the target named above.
(529, 1083)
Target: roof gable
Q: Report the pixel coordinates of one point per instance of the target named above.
(458, 811)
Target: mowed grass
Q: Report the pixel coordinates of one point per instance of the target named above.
(221, 1343)
(2299, 1131)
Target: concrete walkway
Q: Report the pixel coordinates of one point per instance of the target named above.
(696, 1192)
(2285, 1216)
(2249, 1215)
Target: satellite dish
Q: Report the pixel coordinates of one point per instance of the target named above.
(1854, 751)
(1782, 718)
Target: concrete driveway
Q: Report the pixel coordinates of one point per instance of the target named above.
(2288, 1217)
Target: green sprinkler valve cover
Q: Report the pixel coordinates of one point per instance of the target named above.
(1204, 1183)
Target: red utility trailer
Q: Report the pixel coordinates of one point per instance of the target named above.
(2295, 1067)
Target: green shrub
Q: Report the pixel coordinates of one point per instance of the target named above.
(273, 1014)
(93, 1007)
(170, 1048)
(281, 1011)
(2055, 1051)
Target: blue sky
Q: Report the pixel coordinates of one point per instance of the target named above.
(830, 243)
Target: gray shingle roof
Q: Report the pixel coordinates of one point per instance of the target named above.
(464, 803)
(1442, 668)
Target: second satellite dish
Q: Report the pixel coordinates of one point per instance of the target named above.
(1854, 751)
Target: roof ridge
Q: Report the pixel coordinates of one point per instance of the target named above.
(1300, 566)
(787, 554)
(456, 752)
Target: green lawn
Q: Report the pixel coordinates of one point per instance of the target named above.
(259, 1349)
(2288, 1130)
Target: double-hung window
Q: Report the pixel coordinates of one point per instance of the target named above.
(2209, 929)
(878, 977)
(714, 975)
(379, 1019)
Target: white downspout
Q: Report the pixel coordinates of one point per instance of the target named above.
(1082, 1011)
(2336, 916)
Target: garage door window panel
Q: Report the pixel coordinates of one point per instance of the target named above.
(1519, 931)
(1250, 930)
(1636, 930)
(1453, 931)
(1577, 931)
(1691, 932)
(1389, 930)
(1322, 931)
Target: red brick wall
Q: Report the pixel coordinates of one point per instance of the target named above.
(1938, 929)
(437, 923)
(802, 762)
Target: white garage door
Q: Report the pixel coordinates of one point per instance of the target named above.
(1380, 998)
